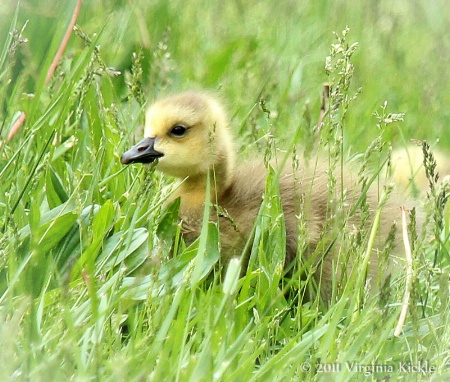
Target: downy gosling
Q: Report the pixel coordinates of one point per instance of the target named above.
(189, 137)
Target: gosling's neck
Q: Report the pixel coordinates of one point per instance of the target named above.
(193, 189)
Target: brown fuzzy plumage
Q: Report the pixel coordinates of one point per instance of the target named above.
(189, 135)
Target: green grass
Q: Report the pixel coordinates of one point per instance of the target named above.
(88, 290)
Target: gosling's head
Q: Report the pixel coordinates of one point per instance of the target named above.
(188, 135)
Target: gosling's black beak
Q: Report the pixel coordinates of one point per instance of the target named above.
(143, 152)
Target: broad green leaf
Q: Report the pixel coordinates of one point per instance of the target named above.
(103, 220)
(116, 253)
(76, 239)
(55, 192)
(48, 216)
(51, 233)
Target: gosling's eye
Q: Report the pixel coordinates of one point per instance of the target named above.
(178, 131)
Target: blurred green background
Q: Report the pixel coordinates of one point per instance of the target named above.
(254, 49)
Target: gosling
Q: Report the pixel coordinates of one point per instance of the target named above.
(188, 136)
